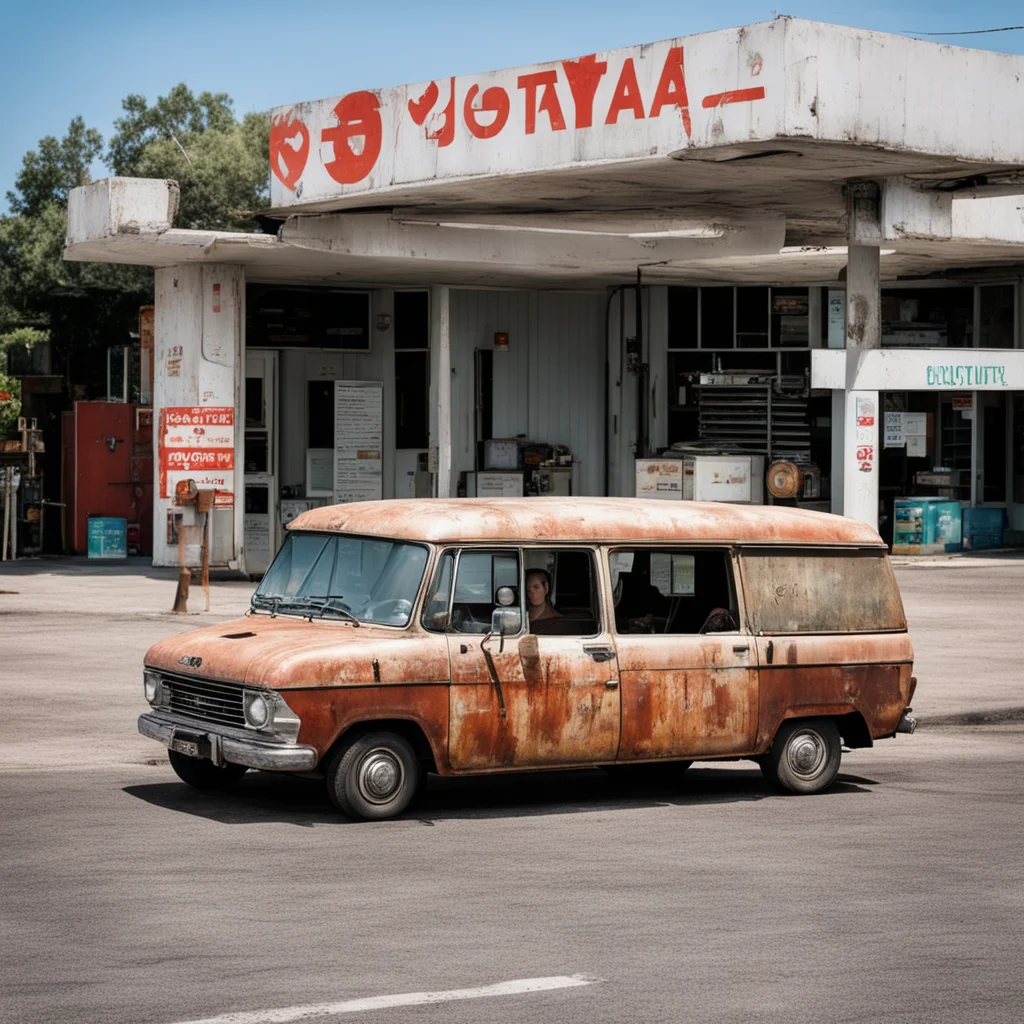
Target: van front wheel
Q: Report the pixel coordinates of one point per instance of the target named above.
(374, 777)
(805, 755)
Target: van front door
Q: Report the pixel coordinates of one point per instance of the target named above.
(531, 699)
(688, 673)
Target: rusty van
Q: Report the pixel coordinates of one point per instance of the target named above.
(394, 638)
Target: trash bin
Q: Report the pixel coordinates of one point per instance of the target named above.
(108, 537)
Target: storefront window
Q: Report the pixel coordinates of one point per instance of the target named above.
(997, 302)
(928, 318)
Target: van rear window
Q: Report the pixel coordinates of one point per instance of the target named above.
(821, 592)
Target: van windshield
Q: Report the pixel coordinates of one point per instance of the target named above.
(361, 579)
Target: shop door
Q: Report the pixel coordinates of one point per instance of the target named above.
(688, 673)
(993, 445)
(102, 466)
(260, 518)
(534, 700)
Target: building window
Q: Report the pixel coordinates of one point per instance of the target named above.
(928, 318)
(412, 370)
(748, 317)
(307, 318)
(996, 304)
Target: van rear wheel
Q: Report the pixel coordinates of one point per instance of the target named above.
(373, 777)
(805, 755)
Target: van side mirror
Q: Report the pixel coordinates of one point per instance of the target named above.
(506, 621)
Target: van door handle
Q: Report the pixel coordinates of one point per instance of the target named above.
(769, 652)
(600, 653)
(612, 684)
(740, 649)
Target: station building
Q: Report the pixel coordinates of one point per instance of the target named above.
(791, 241)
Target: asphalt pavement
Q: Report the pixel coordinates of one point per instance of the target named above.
(130, 899)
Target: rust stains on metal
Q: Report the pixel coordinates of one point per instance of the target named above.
(564, 520)
(548, 700)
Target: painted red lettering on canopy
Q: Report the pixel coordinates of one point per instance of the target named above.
(445, 134)
(289, 149)
(584, 75)
(627, 94)
(358, 117)
(494, 100)
(720, 99)
(544, 80)
(672, 88)
(418, 109)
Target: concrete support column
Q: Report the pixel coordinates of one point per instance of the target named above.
(198, 418)
(860, 409)
(441, 390)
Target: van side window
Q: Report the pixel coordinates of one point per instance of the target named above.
(484, 580)
(561, 592)
(673, 590)
(435, 605)
(812, 591)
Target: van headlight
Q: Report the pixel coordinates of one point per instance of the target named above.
(257, 709)
(152, 687)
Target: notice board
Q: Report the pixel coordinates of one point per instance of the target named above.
(358, 440)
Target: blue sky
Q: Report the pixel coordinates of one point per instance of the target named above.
(60, 59)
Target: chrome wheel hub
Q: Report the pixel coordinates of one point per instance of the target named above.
(806, 754)
(380, 776)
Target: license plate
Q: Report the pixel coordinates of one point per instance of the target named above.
(184, 746)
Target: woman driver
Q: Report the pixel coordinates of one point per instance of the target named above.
(538, 586)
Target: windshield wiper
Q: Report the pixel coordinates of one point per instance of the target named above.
(332, 604)
(305, 605)
(262, 601)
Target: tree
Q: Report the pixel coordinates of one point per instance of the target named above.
(47, 176)
(223, 174)
(222, 166)
(177, 115)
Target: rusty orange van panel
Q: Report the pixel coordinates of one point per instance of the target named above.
(284, 653)
(834, 675)
(327, 714)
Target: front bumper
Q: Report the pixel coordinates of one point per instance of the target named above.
(229, 745)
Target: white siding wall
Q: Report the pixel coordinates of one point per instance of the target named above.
(549, 385)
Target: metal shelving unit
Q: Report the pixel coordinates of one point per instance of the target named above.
(755, 415)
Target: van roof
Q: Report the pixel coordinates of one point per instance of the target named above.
(565, 520)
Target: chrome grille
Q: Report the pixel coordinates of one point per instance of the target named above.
(204, 699)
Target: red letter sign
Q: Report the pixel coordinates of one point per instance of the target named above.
(495, 101)
(627, 95)
(358, 117)
(672, 87)
(584, 75)
(548, 100)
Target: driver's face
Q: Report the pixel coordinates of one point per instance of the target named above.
(536, 591)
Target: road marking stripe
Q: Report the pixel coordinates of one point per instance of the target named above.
(287, 1014)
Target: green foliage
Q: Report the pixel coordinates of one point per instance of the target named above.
(16, 346)
(223, 174)
(178, 115)
(221, 165)
(48, 174)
